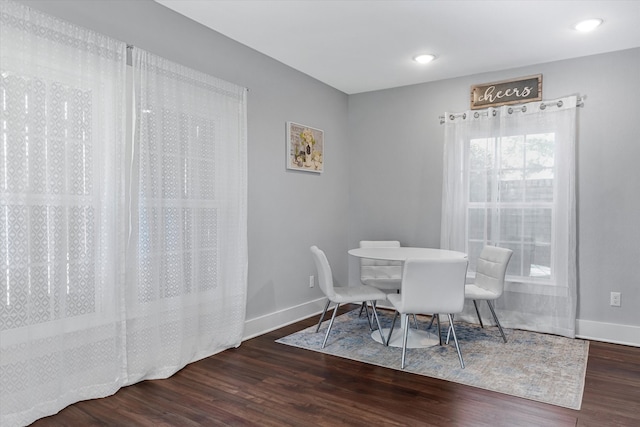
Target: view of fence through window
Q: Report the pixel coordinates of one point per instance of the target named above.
(511, 200)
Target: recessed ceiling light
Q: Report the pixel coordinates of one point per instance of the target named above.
(588, 25)
(423, 59)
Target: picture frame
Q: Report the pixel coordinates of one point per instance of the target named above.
(305, 148)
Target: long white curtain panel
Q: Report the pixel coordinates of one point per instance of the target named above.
(509, 181)
(61, 235)
(122, 215)
(187, 251)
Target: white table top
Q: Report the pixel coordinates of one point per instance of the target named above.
(403, 253)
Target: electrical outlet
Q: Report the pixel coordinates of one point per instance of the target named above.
(311, 281)
(615, 299)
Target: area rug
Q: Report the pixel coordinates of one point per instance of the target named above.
(541, 367)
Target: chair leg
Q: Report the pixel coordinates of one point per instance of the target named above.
(404, 339)
(415, 320)
(393, 323)
(362, 306)
(449, 331)
(475, 304)
(439, 330)
(322, 316)
(366, 309)
(375, 314)
(433, 318)
(493, 313)
(333, 317)
(455, 340)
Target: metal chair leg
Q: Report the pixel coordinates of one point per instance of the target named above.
(333, 317)
(449, 331)
(375, 314)
(415, 321)
(393, 323)
(497, 321)
(439, 330)
(433, 318)
(362, 306)
(475, 304)
(455, 340)
(404, 339)
(366, 309)
(322, 316)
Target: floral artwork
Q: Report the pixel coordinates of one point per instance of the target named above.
(305, 148)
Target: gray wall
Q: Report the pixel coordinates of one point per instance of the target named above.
(288, 211)
(396, 145)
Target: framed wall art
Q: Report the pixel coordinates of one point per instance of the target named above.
(305, 148)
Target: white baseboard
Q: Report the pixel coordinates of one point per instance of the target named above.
(586, 329)
(272, 321)
(608, 332)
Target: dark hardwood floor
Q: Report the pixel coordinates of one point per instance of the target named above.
(263, 383)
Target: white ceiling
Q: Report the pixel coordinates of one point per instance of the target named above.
(363, 45)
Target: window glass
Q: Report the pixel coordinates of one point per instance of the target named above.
(510, 201)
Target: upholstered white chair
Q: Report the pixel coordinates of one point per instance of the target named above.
(488, 285)
(381, 274)
(342, 294)
(430, 286)
(385, 275)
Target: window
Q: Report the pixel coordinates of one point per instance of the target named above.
(511, 200)
(50, 179)
(178, 216)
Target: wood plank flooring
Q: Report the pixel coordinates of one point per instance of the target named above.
(263, 383)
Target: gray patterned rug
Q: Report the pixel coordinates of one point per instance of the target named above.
(540, 367)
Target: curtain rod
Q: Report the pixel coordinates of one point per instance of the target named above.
(523, 108)
(130, 61)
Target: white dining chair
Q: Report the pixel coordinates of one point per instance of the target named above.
(342, 294)
(381, 274)
(430, 286)
(491, 269)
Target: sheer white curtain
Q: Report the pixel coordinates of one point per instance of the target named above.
(63, 109)
(509, 180)
(123, 257)
(187, 254)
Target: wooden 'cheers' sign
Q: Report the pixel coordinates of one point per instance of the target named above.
(506, 92)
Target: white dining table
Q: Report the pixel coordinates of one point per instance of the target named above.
(416, 338)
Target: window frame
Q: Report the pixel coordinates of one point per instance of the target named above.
(492, 207)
